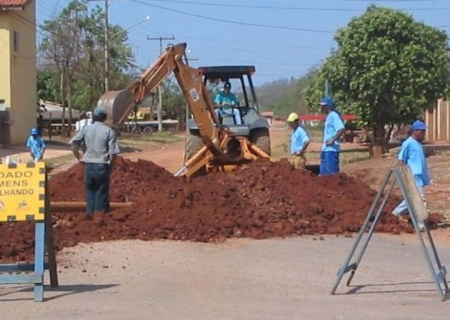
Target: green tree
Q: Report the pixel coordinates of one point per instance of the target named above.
(72, 50)
(47, 85)
(387, 69)
(173, 99)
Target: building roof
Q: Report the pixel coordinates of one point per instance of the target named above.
(13, 4)
(316, 117)
(267, 113)
(54, 111)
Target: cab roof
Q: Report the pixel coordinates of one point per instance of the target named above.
(227, 72)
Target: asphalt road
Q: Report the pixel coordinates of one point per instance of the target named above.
(240, 279)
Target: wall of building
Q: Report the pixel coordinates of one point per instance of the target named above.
(23, 72)
(437, 119)
(5, 67)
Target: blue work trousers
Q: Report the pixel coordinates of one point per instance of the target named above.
(402, 208)
(329, 162)
(96, 180)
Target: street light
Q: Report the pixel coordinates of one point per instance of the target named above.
(107, 41)
(128, 28)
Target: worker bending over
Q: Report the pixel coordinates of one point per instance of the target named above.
(226, 103)
(100, 149)
(36, 145)
(332, 132)
(299, 141)
(412, 154)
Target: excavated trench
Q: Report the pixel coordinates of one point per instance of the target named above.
(261, 200)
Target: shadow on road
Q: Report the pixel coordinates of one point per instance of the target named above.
(59, 292)
(355, 289)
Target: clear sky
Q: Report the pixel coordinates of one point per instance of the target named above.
(282, 38)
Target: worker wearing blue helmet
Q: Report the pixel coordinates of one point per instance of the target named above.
(36, 145)
(332, 131)
(412, 155)
(100, 149)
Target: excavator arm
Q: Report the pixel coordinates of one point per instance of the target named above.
(119, 104)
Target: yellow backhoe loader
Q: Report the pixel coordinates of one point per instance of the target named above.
(224, 146)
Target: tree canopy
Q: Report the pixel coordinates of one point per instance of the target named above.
(387, 69)
(71, 54)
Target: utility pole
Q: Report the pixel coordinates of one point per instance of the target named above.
(159, 111)
(106, 45)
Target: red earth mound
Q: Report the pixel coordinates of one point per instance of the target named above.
(261, 200)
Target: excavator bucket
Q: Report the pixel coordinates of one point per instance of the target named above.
(117, 105)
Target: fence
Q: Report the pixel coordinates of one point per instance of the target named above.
(437, 119)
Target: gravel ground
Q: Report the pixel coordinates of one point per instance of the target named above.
(239, 279)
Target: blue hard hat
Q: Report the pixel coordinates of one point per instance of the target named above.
(34, 131)
(99, 111)
(328, 101)
(418, 125)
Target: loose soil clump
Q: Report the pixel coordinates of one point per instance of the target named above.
(260, 200)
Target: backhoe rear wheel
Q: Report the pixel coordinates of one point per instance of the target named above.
(261, 138)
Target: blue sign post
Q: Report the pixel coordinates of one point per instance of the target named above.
(24, 197)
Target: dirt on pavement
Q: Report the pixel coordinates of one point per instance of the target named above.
(261, 200)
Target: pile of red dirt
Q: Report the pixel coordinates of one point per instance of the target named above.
(261, 200)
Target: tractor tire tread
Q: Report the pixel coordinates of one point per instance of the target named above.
(261, 138)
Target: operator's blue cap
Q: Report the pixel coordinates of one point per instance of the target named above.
(418, 125)
(99, 111)
(34, 131)
(328, 101)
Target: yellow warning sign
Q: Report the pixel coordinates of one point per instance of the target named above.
(22, 191)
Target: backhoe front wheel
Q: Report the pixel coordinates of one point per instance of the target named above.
(193, 144)
(261, 138)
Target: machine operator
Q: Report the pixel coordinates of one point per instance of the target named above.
(100, 149)
(226, 103)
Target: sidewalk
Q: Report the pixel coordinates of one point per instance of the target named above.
(22, 153)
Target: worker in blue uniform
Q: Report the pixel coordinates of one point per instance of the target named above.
(413, 155)
(36, 145)
(332, 131)
(226, 103)
(299, 141)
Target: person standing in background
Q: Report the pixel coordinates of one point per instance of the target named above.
(299, 141)
(333, 129)
(36, 145)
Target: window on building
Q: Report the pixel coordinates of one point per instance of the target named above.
(15, 41)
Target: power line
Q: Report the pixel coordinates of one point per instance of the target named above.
(231, 21)
(227, 5)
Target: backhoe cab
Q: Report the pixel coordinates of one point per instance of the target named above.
(253, 128)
